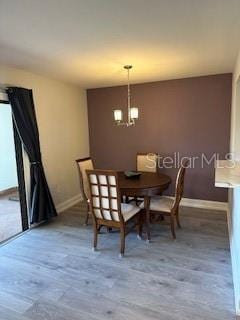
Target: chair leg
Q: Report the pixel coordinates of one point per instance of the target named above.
(87, 215)
(136, 200)
(139, 225)
(147, 215)
(152, 217)
(172, 226)
(86, 219)
(122, 238)
(95, 230)
(177, 219)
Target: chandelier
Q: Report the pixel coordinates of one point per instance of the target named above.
(132, 111)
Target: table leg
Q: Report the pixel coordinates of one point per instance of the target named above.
(147, 210)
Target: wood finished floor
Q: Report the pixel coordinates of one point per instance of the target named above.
(51, 272)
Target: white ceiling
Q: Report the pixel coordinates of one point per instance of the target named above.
(87, 42)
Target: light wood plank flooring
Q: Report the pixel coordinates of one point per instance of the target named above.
(51, 273)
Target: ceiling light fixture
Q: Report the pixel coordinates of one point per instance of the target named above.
(132, 111)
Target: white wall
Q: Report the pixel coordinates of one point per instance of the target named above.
(63, 127)
(234, 194)
(8, 170)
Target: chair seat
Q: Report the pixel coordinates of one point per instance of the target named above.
(129, 210)
(160, 203)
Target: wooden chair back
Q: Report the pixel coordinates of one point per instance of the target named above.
(105, 199)
(147, 162)
(179, 187)
(83, 165)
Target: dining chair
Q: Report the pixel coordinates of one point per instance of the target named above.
(147, 162)
(107, 209)
(83, 165)
(166, 206)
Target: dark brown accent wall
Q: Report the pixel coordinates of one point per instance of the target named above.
(190, 116)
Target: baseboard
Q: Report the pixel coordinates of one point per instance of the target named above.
(185, 202)
(68, 203)
(204, 204)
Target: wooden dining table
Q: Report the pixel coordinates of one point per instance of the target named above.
(148, 184)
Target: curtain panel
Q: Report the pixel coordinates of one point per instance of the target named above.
(41, 204)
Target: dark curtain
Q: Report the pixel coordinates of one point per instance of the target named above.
(21, 100)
